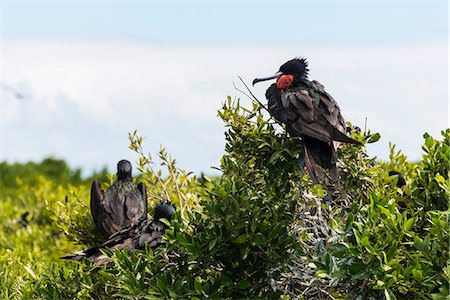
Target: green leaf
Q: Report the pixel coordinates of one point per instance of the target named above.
(243, 284)
(31, 272)
(417, 274)
(374, 138)
(322, 274)
(197, 285)
(241, 239)
(408, 224)
(389, 295)
(391, 251)
(275, 156)
(182, 238)
(212, 244)
(329, 262)
(259, 239)
(384, 210)
(349, 222)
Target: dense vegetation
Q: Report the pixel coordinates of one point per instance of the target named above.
(14, 175)
(260, 230)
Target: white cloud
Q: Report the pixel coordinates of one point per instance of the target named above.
(86, 96)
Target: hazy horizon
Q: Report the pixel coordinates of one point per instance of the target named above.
(92, 72)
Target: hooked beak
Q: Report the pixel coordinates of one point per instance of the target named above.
(256, 80)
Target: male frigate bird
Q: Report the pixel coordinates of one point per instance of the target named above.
(309, 112)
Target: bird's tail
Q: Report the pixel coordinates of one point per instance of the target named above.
(78, 256)
(320, 156)
(342, 137)
(75, 257)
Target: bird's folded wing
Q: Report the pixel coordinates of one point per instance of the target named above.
(312, 118)
(97, 208)
(321, 120)
(276, 108)
(141, 188)
(136, 206)
(115, 210)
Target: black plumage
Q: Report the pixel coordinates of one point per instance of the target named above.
(310, 112)
(135, 237)
(122, 205)
(401, 182)
(23, 219)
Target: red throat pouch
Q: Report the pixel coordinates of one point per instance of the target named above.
(285, 81)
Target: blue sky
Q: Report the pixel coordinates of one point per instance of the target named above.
(94, 71)
(206, 22)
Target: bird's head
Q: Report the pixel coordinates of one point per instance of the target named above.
(164, 210)
(124, 169)
(289, 74)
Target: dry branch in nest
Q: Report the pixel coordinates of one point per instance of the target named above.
(314, 222)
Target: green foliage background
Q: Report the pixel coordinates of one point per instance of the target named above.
(260, 230)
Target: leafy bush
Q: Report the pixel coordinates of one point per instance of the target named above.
(260, 230)
(240, 240)
(397, 240)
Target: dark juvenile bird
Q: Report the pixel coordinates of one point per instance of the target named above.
(400, 178)
(122, 205)
(135, 237)
(309, 112)
(23, 219)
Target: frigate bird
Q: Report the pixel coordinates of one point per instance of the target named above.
(23, 219)
(400, 178)
(122, 205)
(135, 237)
(308, 111)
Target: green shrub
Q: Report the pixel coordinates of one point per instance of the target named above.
(397, 240)
(259, 230)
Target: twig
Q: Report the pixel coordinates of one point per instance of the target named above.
(251, 96)
(365, 125)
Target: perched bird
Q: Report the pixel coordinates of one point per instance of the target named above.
(308, 111)
(122, 205)
(135, 237)
(400, 178)
(23, 219)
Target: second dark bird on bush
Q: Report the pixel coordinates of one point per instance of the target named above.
(309, 112)
(122, 205)
(135, 237)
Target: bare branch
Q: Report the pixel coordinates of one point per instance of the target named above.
(250, 94)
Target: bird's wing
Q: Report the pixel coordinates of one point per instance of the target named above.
(275, 106)
(125, 233)
(334, 115)
(97, 207)
(115, 198)
(312, 120)
(135, 237)
(152, 235)
(141, 188)
(108, 208)
(318, 114)
(135, 206)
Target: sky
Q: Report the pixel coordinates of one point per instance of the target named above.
(90, 72)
